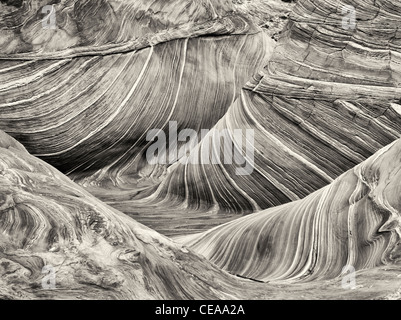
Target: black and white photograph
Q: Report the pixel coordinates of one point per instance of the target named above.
(217, 151)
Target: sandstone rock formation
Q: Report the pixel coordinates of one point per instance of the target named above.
(328, 99)
(96, 251)
(324, 108)
(99, 253)
(355, 221)
(82, 97)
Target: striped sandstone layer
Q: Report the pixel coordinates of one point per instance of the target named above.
(82, 97)
(96, 251)
(100, 253)
(355, 221)
(328, 98)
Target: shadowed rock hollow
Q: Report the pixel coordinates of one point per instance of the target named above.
(83, 96)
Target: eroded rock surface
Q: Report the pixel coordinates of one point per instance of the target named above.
(96, 252)
(355, 221)
(83, 97)
(99, 253)
(328, 99)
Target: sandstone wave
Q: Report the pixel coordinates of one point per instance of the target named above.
(328, 98)
(82, 98)
(355, 221)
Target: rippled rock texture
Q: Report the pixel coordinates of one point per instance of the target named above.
(82, 93)
(83, 96)
(355, 221)
(328, 99)
(96, 251)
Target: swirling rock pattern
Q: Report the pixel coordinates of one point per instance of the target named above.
(97, 252)
(328, 99)
(128, 25)
(100, 253)
(354, 221)
(82, 98)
